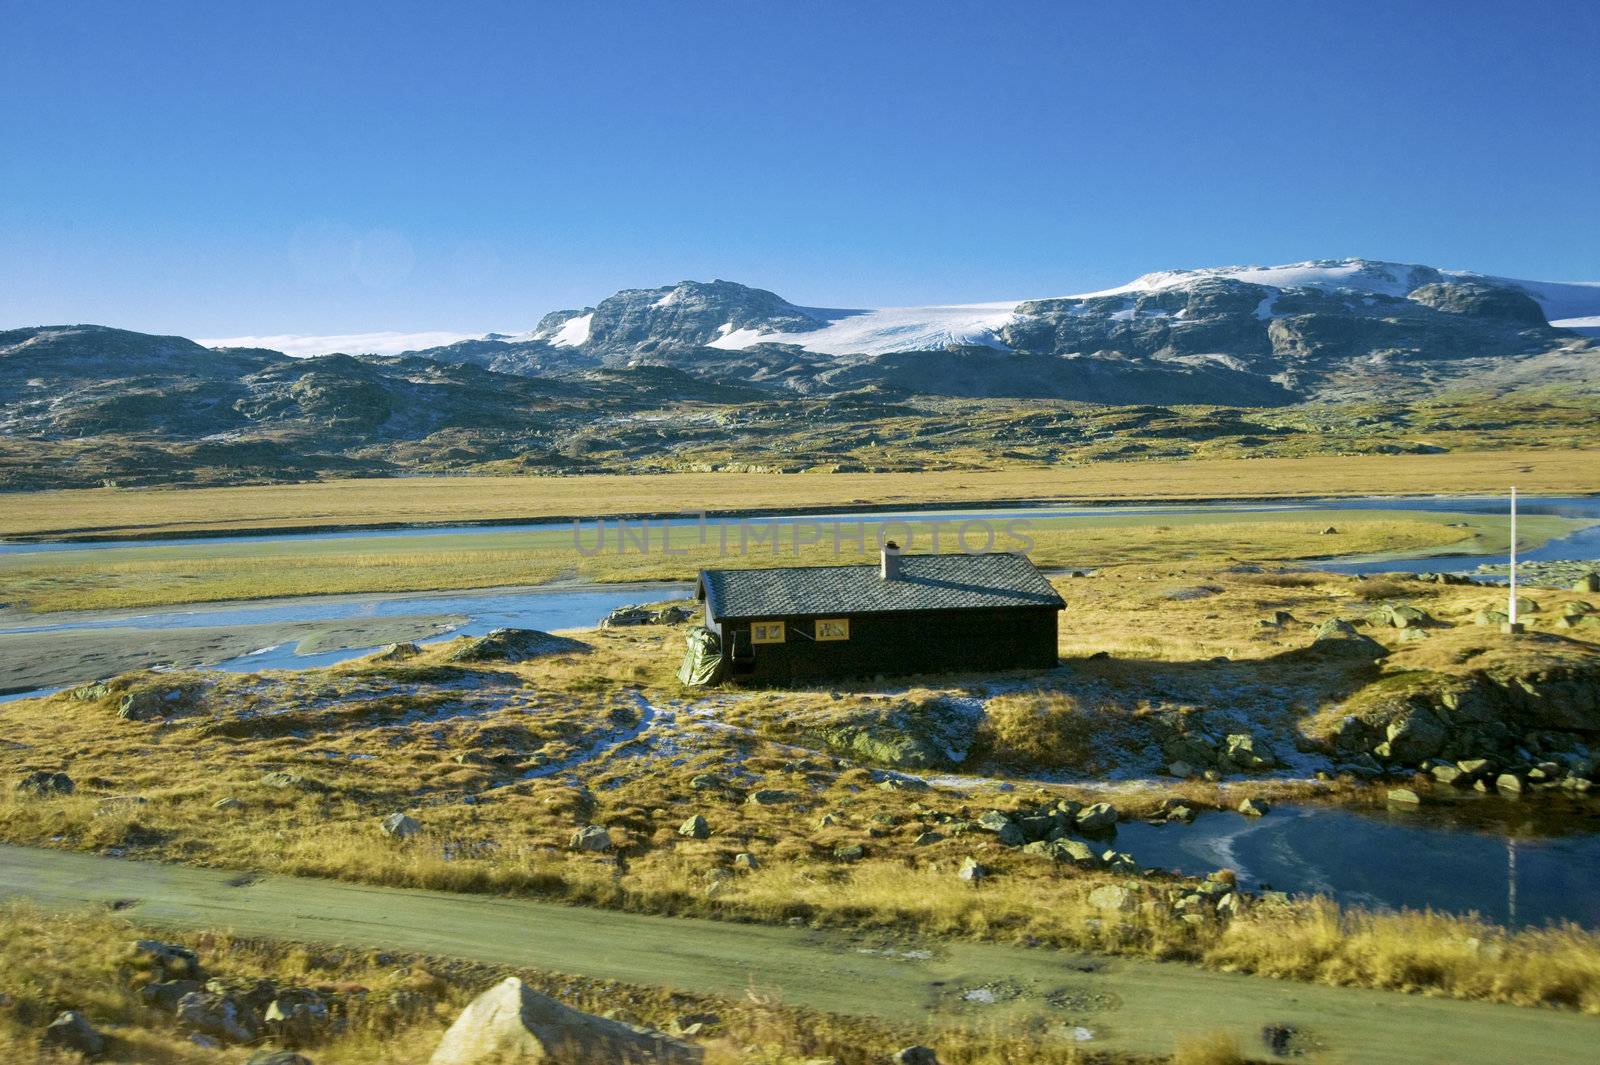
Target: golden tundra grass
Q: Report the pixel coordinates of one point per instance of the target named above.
(122, 512)
(84, 961)
(137, 576)
(376, 738)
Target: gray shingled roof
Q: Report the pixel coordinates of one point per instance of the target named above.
(926, 582)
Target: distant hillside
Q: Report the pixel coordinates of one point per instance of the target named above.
(720, 375)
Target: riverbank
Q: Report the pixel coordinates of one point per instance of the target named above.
(422, 501)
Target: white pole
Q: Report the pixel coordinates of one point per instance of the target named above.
(1513, 611)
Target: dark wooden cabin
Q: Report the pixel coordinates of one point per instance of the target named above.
(909, 614)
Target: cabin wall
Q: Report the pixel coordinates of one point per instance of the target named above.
(949, 641)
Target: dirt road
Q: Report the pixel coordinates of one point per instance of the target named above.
(1119, 1003)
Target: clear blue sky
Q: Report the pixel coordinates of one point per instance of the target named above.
(216, 169)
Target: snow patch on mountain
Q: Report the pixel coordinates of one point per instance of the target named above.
(574, 332)
(889, 329)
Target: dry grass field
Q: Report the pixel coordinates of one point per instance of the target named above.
(502, 764)
(142, 576)
(418, 500)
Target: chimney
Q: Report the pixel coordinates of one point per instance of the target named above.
(890, 570)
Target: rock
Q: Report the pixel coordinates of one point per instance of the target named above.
(72, 1031)
(1589, 582)
(91, 693)
(1491, 617)
(166, 994)
(1189, 749)
(1475, 767)
(925, 838)
(1011, 836)
(175, 962)
(217, 1014)
(141, 704)
(400, 826)
(914, 1055)
(511, 1022)
(282, 778)
(1101, 817)
(993, 820)
(1112, 897)
(1243, 751)
(1075, 852)
(1400, 616)
(1448, 774)
(849, 852)
(1336, 637)
(767, 797)
(1330, 531)
(638, 615)
(1253, 807)
(1180, 770)
(1404, 797)
(42, 782)
(227, 802)
(972, 870)
(296, 1016)
(397, 652)
(746, 861)
(695, 827)
(1415, 734)
(1509, 782)
(515, 645)
(595, 838)
(827, 821)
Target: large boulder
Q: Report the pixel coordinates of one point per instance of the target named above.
(515, 645)
(1414, 734)
(400, 826)
(511, 1022)
(929, 734)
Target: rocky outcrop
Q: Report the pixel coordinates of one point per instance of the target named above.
(511, 1022)
(515, 645)
(930, 734)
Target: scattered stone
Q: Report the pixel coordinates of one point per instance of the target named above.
(1101, 817)
(511, 1021)
(1329, 531)
(1245, 752)
(972, 870)
(166, 994)
(218, 1014)
(1509, 782)
(1338, 637)
(914, 1055)
(827, 821)
(72, 1031)
(594, 838)
(746, 861)
(282, 778)
(91, 693)
(227, 802)
(1181, 770)
(1114, 898)
(397, 652)
(639, 615)
(400, 826)
(1404, 796)
(695, 827)
(175, 962)
(849, 852)
(43, 782)
(1253, 807)
(767, 797)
